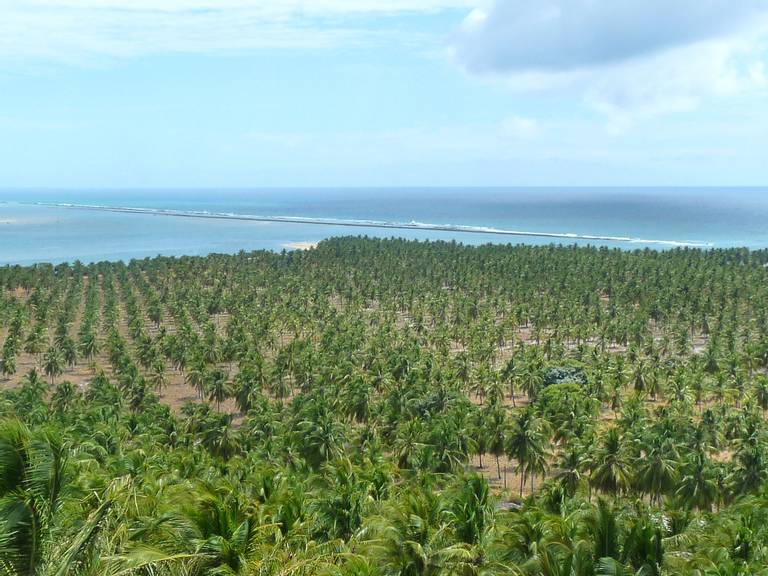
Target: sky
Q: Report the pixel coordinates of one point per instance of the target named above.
(265, 93)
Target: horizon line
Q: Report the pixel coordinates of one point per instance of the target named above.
(383, 187)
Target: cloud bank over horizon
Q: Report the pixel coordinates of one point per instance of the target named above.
(626, 59)
(561, 35)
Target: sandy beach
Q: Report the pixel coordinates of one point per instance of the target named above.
(300, 245)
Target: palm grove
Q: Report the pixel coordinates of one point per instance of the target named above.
(387, 407)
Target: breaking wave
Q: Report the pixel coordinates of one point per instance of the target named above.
(412, 225)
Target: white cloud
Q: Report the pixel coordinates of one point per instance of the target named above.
(626, 59)
(72, 30)
(673, 81)
(560, 35)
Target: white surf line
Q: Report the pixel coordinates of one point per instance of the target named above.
(366, 224)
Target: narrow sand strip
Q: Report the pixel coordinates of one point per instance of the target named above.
(300, 245)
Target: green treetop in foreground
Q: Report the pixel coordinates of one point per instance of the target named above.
(387, 407)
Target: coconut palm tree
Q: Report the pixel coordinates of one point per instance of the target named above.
(657, 471)
(471, 511)
(570, 469)
(526, 443)
(413, 539)
(158, 377)
(64, 396)
(698, 482)
(344, 497)
(609, 468)
(8, 363)
(53, 363)
(218, 386)
(37, 532)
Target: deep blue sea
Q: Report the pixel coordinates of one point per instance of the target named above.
(651, 217)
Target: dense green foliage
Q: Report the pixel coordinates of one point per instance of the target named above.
(358, 408)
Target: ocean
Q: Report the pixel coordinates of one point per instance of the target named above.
(32, 230)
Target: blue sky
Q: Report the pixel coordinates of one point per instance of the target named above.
(242, 93)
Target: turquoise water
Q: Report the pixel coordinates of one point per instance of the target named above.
(718, 217)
